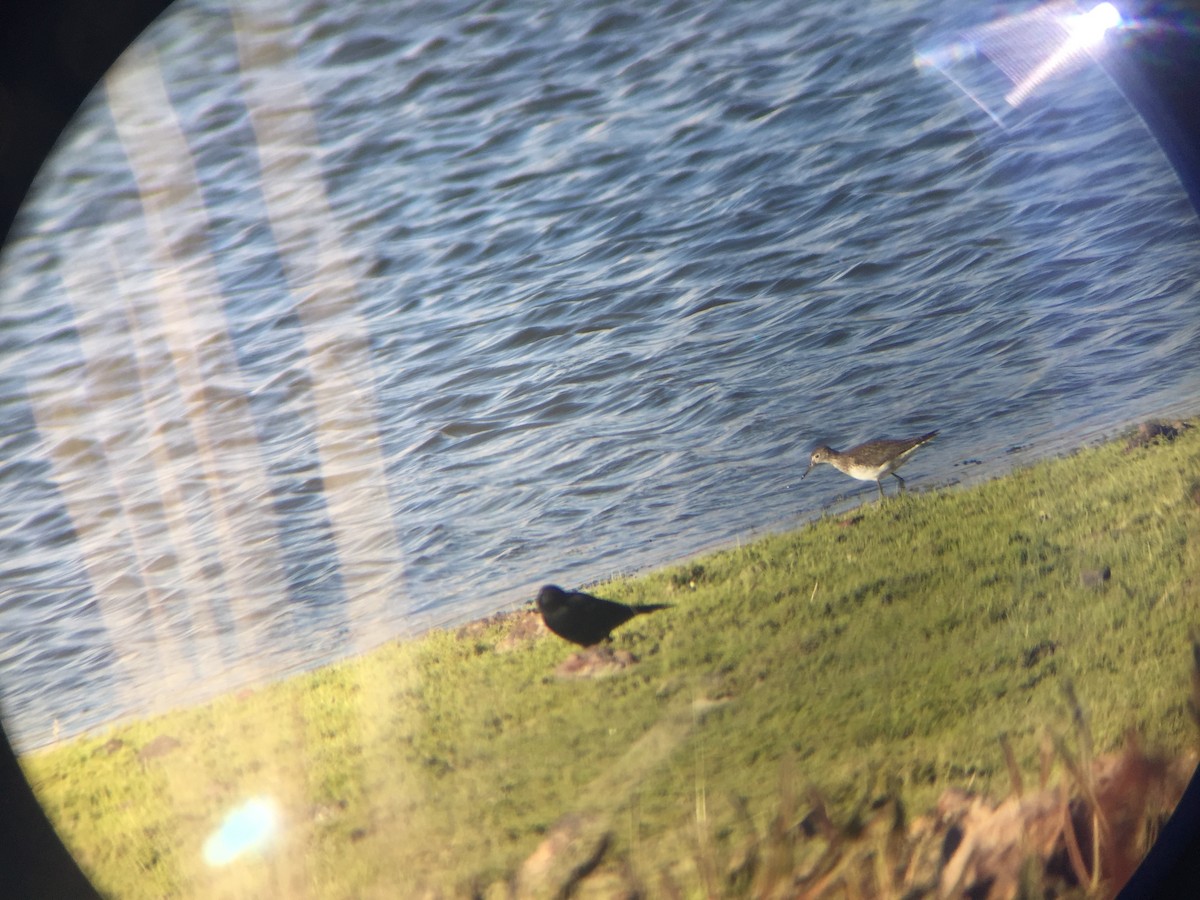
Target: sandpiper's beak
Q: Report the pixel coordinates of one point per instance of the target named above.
(806, 471)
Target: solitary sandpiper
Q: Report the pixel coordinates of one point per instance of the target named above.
(872, 460)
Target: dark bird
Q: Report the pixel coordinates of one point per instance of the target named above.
(583, 619)
(871, 461)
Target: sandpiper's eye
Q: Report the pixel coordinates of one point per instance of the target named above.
(333, 334)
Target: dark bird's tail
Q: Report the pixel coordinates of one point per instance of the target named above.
(640, 608)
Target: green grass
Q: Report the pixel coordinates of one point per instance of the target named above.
(897, 642)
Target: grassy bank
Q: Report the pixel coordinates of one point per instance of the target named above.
(884, 649)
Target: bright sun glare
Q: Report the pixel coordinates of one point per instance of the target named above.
(1086, 31)
(1029, 48)
(249, 827)
(1089, 28)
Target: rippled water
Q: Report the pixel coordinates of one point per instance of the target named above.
(333, 324)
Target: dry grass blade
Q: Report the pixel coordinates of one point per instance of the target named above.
(1085, 783)
(1010, 762)
(1045, 759)
(818, 818)
(1067, 825)
(779, 863)
(1082, 732)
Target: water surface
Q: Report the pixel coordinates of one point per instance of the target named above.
(329, 324)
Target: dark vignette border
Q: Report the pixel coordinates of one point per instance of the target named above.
(53, 52)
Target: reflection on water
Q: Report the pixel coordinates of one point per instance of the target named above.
(330, 324)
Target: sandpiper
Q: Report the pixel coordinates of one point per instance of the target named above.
(871, 461)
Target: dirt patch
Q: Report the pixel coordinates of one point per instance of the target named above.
(1154, 432)
(595, 662)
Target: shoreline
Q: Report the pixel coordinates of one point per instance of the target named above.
(896, 642)
(863, 495)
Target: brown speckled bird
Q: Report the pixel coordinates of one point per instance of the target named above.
(871, 461)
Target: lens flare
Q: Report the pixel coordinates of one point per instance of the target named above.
(1084, 31)
(247, 828)
(1089, 29)
(1027, 49)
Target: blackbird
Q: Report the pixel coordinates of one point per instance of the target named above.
(583, 619)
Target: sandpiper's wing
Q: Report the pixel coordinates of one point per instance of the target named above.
(878, 452)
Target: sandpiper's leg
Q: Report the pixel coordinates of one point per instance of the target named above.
(899, 479)
(879, 484)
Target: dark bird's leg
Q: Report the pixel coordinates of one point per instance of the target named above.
(879, 484)
(899, 479)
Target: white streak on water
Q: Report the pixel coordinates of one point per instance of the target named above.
(336, 337)
(127, 472)
(232, 475)
(81, 469)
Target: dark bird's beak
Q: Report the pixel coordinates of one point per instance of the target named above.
(806, 471)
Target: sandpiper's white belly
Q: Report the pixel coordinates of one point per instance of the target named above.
(867, 473)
